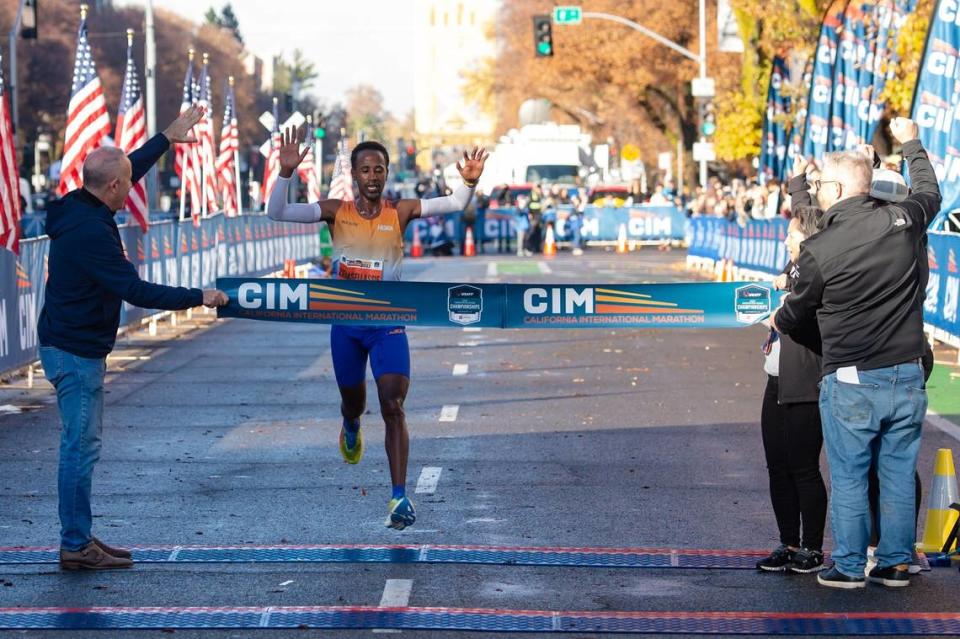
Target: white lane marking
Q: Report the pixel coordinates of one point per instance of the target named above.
(396, 594)
(944, 424)
(544, 268)
(449, 412)
(472, 329)
(492, 269)
(286, 583)
(429, 478)
(460, 369)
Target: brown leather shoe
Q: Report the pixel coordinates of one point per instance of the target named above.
(91, 557)
(110, 550)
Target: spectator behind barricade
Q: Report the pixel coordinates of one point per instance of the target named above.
(659, 196)
(480, 203)
(521, 224)
(860, 280)
(791, 431)
(535, 213)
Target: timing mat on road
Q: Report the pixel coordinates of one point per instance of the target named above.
(483, 620)
(422, 554)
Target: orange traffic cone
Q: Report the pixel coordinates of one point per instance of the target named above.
(469, 248)
(550, 243)
(622, 239)
(416, 249)
(728, 271)
(941, 518)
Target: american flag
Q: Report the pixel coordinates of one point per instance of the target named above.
(207, 147)
(132, 132)
(308, 173)
(341, 184)
(9, 178)
(87, 120)
(226, 160)
(271, 169)
(186, 162)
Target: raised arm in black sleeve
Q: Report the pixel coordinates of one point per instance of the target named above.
(799, 191)
(923, 203)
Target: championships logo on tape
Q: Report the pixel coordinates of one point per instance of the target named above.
(752, 303)
(464, 304)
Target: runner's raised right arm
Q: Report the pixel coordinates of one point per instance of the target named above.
(277, 206)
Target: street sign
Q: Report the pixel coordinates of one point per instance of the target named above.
(630, 152)
(704, 152)
(568, 15)
(703, 88)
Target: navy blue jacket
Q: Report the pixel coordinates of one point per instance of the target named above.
(89, 277)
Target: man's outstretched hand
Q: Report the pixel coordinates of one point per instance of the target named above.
(181, 129)
(472, 164)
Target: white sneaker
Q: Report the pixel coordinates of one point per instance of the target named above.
(871, 560)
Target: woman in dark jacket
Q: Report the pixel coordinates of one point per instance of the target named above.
(792, 435)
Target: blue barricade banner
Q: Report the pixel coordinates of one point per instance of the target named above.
(936, 97)
(169, 253)
(757, 246)
(698, 305)
(943, 288)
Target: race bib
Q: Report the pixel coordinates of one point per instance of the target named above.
(369, 270)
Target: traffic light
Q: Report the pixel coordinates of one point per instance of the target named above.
(411, 158)
(28, 25)
(319, 133)
(708, 119)
(543, 36)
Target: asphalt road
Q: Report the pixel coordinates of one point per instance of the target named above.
(223, 433)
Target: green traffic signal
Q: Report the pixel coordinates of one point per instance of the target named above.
(544, 48)
(319, 133)
(709, 128)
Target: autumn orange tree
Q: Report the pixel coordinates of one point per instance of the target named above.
(45, 66)
(617, 83)
(611, 80)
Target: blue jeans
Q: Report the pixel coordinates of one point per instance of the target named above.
(878, 419)
(79, 385)
(576, 222)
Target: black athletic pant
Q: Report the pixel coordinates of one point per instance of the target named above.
(792, 439)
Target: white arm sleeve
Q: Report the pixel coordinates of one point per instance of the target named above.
(278, 208)
(447, 204)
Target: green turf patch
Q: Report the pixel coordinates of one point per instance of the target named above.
(943, 392)
(518, 268)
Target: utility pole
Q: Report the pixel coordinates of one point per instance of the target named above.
(150, 71)
(12, 84)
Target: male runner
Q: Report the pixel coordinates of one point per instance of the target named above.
(368, 245)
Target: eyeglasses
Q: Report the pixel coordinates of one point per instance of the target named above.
(818, 184)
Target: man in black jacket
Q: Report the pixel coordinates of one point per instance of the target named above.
(89, 279)
(861, 280)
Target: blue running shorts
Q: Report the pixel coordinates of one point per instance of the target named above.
(386, 345)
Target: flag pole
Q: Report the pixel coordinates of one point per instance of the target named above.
(203, 158)
(236, 154)
(183, 172)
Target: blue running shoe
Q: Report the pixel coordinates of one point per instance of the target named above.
(402, 513)
(351, 454)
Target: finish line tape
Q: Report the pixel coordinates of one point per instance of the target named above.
(483, 620)
(694, 304)
(424, 554)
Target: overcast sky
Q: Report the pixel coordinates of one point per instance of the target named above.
(328, 33)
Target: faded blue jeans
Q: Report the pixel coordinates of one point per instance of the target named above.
(79, 385)
(880, 418)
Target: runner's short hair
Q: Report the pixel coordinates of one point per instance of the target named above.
(368, 146)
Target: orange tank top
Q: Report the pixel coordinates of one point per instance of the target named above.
(367, 249)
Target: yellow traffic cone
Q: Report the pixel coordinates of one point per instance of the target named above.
(943, 492)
